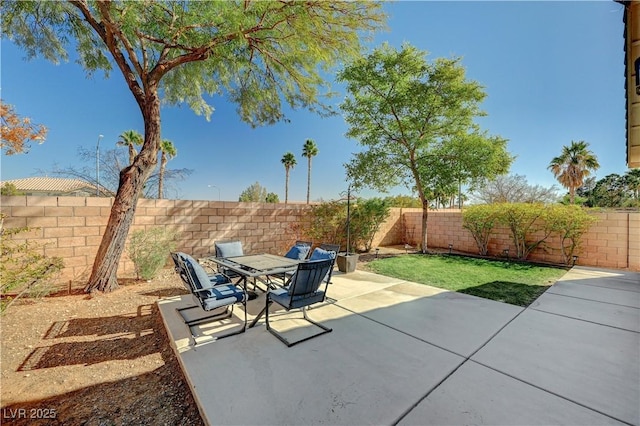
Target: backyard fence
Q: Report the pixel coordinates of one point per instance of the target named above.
(72, 228)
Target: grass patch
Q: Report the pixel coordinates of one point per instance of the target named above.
(509, 282)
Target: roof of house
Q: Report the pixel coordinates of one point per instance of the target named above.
(49, 184)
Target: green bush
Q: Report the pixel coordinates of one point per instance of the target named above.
(329, 222)
(366, 218)
(480, 221)
(24, 269)
(149, 249)
(570, 222)
(524, 221)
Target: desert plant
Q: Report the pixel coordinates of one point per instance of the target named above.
(366, 218)
(327, 222)
(480, 220)
(149, 249)
(570, 223)
(526, 222)
(24, 269)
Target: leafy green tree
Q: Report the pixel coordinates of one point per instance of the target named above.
(9, 189)
(130, 139)
(403, 109)
(258, 54)
(272, 197)
(466, 159)
(167, 152)
(255, 193)
(574, 165)
(309, 150)
(288, 160)
(632, 181)
(403, 201)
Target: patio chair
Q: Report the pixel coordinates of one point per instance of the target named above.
(229, 248)
(323, 252)
(210, 296)
(214, 278)
(303, 290)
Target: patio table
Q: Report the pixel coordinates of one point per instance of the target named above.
(257, 266)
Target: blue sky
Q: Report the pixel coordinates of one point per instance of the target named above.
(553, 73)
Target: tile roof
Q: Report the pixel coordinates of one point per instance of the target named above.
(49, 184)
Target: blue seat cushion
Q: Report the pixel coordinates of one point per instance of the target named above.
(284, 298)
(299, 252)
(229, 249)
(222, 295)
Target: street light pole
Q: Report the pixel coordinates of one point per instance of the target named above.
(213, 186)
(98, 166)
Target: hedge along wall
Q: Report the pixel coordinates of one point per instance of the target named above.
(72, 227)
(612, 242)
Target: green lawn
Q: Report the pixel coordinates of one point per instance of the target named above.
(509, 282)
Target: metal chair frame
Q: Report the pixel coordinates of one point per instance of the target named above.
(314, 271)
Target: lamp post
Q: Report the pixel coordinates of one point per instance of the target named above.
(98, 166)
(213, 186)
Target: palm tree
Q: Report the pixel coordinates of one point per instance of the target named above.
(289, 161)
(168, 151)
(130, 139)
(574, 164)
(309, 150)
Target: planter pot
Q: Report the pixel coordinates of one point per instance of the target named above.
(347, 262)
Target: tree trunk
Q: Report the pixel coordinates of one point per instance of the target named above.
(286, 186)
(308, 180)
(132, 180)
(163, 166)
(572, 194)
(425, 215)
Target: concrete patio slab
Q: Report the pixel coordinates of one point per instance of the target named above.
(453, 321)
(397, 353)
(361, 373)
(476, 395)
(600, 293)
(589, 310)
(590, 364)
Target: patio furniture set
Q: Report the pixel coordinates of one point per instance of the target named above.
(294, 281)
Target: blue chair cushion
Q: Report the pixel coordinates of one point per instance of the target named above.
(229, 249)
(197, 272)
(299, 252)
(222, 295)
(321, 254)
(283, 298)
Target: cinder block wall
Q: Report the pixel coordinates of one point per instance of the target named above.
(72, 227)
(612, 242)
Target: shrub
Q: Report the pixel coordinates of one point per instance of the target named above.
(570, 222)
(148, 249)
(524, 221)
(329, 222)
(366, 218)
(24, 269)
(480, 221)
